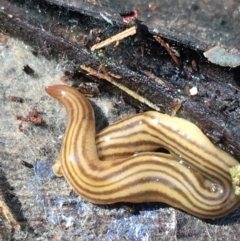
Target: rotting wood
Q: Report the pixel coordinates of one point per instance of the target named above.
(133, 94)
(215, 109)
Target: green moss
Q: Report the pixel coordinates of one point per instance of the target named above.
(235, 174)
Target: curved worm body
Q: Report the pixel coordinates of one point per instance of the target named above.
(193, 177)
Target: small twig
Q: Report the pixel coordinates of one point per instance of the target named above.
(155, 78)
(167, 47)
(16, 99)
(176, 106)
(117, 37)
(4, 209)
(120, 86)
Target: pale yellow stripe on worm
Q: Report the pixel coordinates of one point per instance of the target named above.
(199, 184)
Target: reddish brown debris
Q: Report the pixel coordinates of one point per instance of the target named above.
(168, 48)
(129, 17)
(32, 117)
